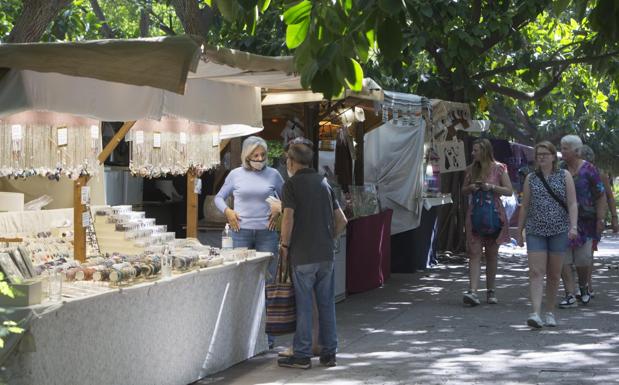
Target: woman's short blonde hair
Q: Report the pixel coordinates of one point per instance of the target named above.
(249, 146)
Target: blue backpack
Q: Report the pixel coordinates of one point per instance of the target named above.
(484, 217)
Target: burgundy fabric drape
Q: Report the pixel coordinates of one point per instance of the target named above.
(368, 252)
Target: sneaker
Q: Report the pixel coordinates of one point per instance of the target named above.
(534, 321)
(491, 297)
(295, 362)
(470, 298)
(550, 320)
(328, 360)
(585, 297)
(568, 302)
(286, 353)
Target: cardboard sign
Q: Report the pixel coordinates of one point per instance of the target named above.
(85, 195)
(139, 137)
(62, 136)
(451, 156)
(156, 139)
(16, 132)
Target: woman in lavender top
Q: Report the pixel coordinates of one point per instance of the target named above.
(253, 219)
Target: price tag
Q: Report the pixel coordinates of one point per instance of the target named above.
(62, 136)
(183, 138)
(85, 195)
(85, 219)
(156, 139)
(94, 132)
(216, 140)
(16, 133)
(197, 185)
(139, 137)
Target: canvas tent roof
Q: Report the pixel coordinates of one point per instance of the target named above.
(134, 79)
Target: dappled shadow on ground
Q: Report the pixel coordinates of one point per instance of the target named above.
(416, 330)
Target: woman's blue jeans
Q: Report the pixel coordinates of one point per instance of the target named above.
(260, 240)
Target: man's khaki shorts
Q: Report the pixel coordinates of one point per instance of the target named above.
(580, 256)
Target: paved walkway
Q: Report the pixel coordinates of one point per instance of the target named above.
(415, 330)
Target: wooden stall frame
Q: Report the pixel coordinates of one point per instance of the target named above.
(79, 231)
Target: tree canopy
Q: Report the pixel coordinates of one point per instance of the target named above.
(536, 68)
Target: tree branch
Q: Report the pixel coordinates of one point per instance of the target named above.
(544, 64)
(529, 96)
(500, 115)
(106, 31)
(195, 21)
(36, 16)
(476, 12)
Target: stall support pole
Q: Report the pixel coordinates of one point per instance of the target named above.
(79, 231)
(114, 141)
(192, 205)
(359, 133)
(311, 115)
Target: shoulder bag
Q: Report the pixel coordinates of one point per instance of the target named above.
(552, 193)
(280, 302)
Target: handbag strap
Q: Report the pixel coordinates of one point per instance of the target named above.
(283, 271)
(552, 193)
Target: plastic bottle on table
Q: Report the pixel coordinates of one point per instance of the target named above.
(226, 238)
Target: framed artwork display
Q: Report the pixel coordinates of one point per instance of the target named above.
(27, 257)
(9, 269)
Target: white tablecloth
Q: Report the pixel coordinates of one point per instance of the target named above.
(168, 332)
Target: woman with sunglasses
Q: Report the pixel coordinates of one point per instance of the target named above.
(549, 214)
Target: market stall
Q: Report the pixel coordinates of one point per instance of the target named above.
(404, 157)
(69, 78)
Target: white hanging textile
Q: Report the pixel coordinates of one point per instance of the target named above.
(48, 144)
(172, 146)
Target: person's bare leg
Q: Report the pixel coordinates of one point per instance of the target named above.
(568, 279)
(537, 271)
(492, 253)
(553, 276)
(474, 266)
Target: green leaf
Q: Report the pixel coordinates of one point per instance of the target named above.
(263, 5)
(390, 39)
(328, 55)
(229, 9)
(426, 10)
(332, 21)
(308, 72)
(247, 4)
(296, 33)
(390, 7)
(297, 13)
(362, 48)
(354, 75)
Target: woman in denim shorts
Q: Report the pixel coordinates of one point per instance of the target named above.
(549, 221)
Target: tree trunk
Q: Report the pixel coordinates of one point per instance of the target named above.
(195, 21)
(145, 19)
(36, 16)
(106, 31)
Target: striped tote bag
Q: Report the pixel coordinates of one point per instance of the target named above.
(280, 302)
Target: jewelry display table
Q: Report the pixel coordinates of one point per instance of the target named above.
(170, 331)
